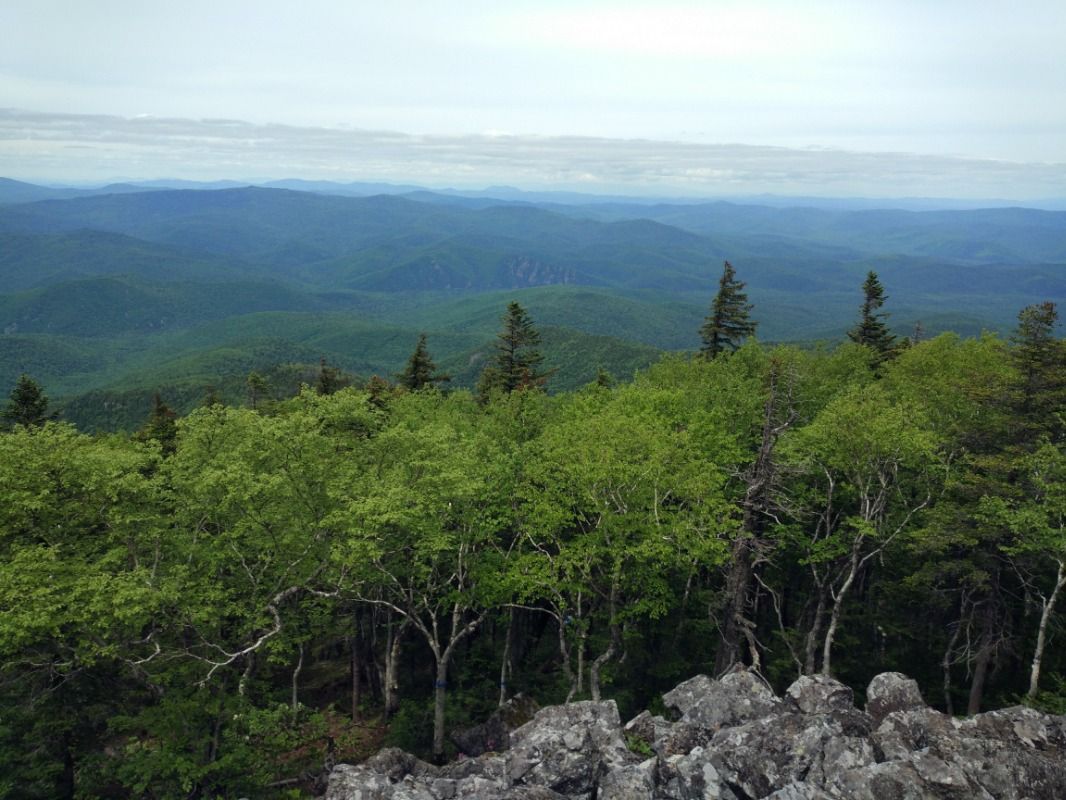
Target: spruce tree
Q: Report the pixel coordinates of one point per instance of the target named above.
(517, 361)
(28, 404)
(330, 379)
(729, 322)
(1040, 358)
(161, 426)
(871, 329)
(258, 388)
(420, 371)
(378, 391)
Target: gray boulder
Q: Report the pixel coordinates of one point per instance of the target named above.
(666, 738)
(764, 756)
(631, 782)
(693, 776)
(892, 691)
(739, 697)
(820, 694)
(569, 748)
(733, 739)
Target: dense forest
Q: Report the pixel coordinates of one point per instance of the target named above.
(109, 296)
(223, 602)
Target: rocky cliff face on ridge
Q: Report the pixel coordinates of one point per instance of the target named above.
(733, 739)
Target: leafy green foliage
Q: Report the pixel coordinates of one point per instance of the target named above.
(182, 611)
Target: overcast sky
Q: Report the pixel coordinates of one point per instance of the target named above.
(935, 97)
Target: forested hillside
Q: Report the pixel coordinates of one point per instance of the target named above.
(110, 295)
(222, 602)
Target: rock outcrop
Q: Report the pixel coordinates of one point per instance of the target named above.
(734, 739)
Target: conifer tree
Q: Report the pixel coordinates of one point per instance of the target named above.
(378, 391)
(330, 379)
(729, 322)
(420, 371)
(871, 329)
(1040, 358)
(161, 426)
(258, 388)
(28, 404)
(517, 361)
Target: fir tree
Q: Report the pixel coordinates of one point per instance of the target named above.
(161, 426)
(871, 329)
(378, 391)
(28, 404)
(517, 361)
(420, 371)
(330, 379)
(729, 322)
(258, 388)
(1040, 359)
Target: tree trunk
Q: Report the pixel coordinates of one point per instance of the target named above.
(615, 643)
(505, 662)
(946, 661)
(815, 633)
(737, 588)
(564, 654)
(249, 670)
(357, 684)
(296, 682)
(1041, 636)
(980, 673)
(65, 784)
(440, 688)
(594, 670)
(838, 605)
(582, 638)
(736, 626)
(392, 655)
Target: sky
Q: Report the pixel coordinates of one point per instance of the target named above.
(887, 98)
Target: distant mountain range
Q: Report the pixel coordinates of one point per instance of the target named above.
(12, 191)
(123, 289)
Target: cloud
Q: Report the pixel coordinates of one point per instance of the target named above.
(670, 31)
(78, 147)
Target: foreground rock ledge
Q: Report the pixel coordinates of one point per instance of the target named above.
(733, 739)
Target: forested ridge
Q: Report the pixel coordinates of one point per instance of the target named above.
(109, 296)
(222, 602)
